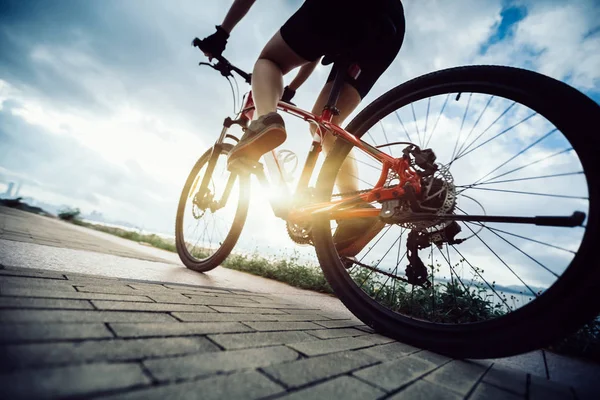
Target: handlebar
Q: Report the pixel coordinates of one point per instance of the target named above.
(222, 65)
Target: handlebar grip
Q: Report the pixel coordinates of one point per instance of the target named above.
(199, 43)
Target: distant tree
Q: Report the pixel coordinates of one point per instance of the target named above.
(69, 214)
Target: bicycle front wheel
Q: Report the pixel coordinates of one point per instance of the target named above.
(209, 221)
(509, 142)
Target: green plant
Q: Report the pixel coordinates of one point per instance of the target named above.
(287, 270)
(69, 214)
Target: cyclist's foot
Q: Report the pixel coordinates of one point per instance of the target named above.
(262, 135)
(352, 235)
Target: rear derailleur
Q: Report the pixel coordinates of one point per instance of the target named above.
(416, 271)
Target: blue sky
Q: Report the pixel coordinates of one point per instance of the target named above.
(103, 107)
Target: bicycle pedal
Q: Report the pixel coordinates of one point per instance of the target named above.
(244, 165)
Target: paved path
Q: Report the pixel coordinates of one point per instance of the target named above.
(110, 334)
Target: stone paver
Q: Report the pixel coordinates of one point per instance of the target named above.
(77, 380)
(392, 375)
(33, 302)
(510, 380)
(568, 371)
(35, 355)
(318, 347)
(204, 300)
(423, 390)
(81, 316)
(180, 329)
(173, 333)
(337, 333)
(34, 332)
(242, 385)
(281, 326)
(491, 392)
(222, 317)
(312, 369)
(160, 307)
(343, 387)
(459, 376)
(257, 339)
(194, 365)
(389, 351)
(543, 389)
(339, 324)
(57, 294)
(247, 310)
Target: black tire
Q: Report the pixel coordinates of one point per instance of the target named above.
(569, 303)
(207, 262)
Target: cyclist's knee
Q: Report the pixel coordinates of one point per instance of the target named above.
(278, 52)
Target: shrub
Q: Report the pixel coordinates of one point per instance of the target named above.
(69, 214)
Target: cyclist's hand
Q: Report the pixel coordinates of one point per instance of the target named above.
(288, 94)
(214, 44)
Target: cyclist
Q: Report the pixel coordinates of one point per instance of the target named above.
(318, 28)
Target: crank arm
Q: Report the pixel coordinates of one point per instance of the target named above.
(574, 220)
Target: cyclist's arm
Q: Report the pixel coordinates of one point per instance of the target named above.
(236, 12)
(303, 74)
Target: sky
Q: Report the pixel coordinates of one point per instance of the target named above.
(103, 105)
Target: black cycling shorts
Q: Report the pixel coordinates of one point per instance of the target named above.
(339, 27)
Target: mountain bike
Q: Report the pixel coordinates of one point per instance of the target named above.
(486, 178)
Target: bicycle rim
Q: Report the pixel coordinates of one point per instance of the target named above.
(206, 233)
(504, 147)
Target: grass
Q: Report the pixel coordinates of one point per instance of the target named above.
(288, 271)
(446, 302)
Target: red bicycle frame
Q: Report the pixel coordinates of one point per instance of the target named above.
(333, 209)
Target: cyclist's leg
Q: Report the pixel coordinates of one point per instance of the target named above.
(294, 45)
(353, 235)
(268, 130)
(349, 99)
(276, 60)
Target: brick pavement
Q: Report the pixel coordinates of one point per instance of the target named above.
(71, 335)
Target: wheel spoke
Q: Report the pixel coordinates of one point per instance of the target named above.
(438, 119)
(482, 278)
(531, 163)
(499, 258)
(486, 129)
(386, 138)
(517, 248)
(527, 178)
(416, 125)
(462, 124)
(403, 127)
(475, 124)
(426, 119)
(516, 155)
(531, 240)
(496, 136)
(562, 196)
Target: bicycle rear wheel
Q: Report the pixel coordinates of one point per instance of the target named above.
(508, 142)
(206, 231)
